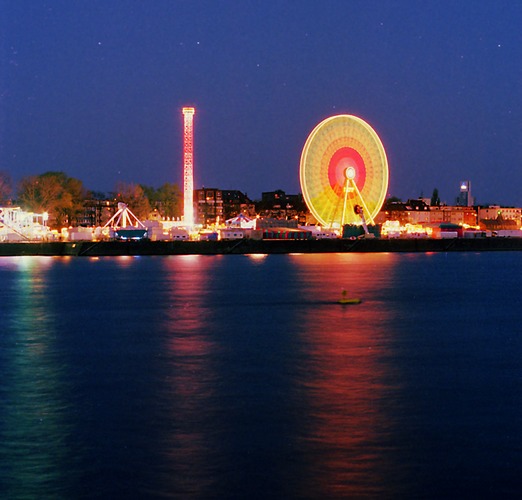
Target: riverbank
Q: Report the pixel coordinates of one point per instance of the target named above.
(147, 247)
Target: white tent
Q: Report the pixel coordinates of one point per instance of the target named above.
(241, 221)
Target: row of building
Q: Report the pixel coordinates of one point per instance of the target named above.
(278, 214)
(214, 206)
(211, 206)
(232, 215)
(420, 212)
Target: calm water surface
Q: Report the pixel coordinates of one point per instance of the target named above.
(241, 377)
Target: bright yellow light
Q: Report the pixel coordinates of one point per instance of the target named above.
(350, 173)
(257, 256)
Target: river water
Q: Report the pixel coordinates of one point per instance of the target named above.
(242, 377)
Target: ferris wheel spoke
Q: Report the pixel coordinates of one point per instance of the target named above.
(346, 191)
(363, 203)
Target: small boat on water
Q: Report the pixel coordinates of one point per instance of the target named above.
(348, 300)
(353, 300)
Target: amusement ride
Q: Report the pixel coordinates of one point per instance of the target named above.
(344, 172)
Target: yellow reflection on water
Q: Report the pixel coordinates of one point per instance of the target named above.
(125, 261)
(257, 257)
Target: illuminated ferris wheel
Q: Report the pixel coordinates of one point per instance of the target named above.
(344, 172)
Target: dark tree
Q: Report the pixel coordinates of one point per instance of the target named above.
(6, 188)
(170, 200)
(136, 199)
(435, 200)
(167, 199)
(55, 193)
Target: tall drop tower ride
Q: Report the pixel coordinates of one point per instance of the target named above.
(188, 166)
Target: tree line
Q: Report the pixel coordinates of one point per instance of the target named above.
(64, 198)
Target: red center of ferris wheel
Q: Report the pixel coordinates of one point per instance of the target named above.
(346, 163)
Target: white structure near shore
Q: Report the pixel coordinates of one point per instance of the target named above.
(18, 225)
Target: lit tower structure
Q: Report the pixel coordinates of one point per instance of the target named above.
(188, 166)
(465, 199)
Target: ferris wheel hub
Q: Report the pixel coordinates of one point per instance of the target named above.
(350, 173)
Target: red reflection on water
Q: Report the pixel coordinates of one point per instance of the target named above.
(189, 447)
(346, 382)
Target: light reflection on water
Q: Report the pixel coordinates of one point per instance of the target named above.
(347, 379)
(34, 435)
(189, 389)
(242, 377)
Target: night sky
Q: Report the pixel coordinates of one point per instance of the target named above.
(95, 89)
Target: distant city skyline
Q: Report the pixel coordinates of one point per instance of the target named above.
(460, 194)
(95, 90)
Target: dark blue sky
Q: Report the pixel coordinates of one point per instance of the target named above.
(95, 89)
